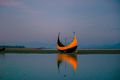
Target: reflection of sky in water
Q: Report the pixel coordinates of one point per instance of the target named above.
(99, 67)
(44, 67)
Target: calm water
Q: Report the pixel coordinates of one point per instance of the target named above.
(59, 67)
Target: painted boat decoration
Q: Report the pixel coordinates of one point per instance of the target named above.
(68, 58)
(71, 47)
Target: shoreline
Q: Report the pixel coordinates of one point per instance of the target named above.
(43, 51)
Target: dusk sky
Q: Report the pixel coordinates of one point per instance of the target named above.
(36, 23)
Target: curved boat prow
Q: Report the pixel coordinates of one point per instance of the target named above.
(71, 47)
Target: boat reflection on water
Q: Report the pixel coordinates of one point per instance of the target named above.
(69, 59)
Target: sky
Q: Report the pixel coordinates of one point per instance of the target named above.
(36, 23)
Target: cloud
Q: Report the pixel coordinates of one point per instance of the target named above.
(9, 3)
(18, 5)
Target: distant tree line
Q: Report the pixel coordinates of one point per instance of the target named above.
(8, 46)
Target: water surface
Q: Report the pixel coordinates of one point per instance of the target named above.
(45, 67)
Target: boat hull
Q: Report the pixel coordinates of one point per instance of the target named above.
(70, 50)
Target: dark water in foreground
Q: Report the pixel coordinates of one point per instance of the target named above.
(71, 67)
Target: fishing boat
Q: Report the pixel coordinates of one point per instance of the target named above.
(2, 49)
(69, 48)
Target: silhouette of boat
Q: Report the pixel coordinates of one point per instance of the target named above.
(2, 49)
(71, 47)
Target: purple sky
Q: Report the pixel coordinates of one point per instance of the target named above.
(36, 23)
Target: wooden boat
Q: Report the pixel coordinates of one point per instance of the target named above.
(71, 47)
(2, 49)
